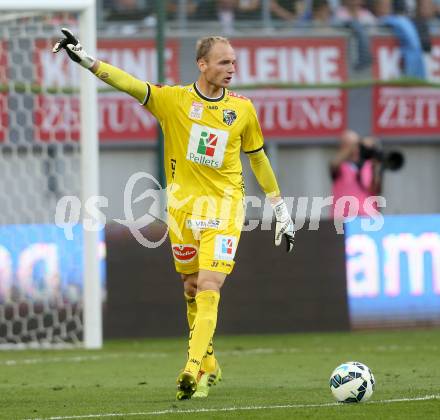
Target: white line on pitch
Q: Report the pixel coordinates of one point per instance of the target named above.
(225, 409)
(234, 352)
(76, 359)
(146, 354)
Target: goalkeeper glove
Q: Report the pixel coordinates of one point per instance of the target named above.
(74, 49)
(284, 225)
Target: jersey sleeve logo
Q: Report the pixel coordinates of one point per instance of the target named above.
(207, 146)
(229, 116)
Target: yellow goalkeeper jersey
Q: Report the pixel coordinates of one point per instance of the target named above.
(203, 139)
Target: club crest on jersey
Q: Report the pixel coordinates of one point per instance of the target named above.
(229, 116)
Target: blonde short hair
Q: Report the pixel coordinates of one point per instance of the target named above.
(205, 44)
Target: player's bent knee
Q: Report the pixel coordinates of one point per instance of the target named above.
(210, 280)
(190, 283)
(190, 290)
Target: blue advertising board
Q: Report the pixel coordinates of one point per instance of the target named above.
(39, 262)
(393, 274)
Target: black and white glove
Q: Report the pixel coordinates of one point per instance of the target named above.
(74, 49)
(284, 225)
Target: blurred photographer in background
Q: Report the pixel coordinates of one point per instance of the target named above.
(357, 171)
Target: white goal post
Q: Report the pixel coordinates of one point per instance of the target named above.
(86, 12)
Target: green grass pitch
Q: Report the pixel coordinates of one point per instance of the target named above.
(267, 376)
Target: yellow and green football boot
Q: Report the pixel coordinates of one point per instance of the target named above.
(206, 380)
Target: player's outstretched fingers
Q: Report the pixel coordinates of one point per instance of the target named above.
(64, 42)
(74, 49)
(71, 39)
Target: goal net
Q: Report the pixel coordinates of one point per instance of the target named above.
(50, 281)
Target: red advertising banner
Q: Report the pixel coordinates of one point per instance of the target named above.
(3, 96)
(284, 113)
(399, 110)
(288, 113)
(121, 118)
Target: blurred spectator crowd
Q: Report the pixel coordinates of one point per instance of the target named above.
(324, 12)
(411, 21)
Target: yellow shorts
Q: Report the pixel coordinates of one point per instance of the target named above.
(200, 243)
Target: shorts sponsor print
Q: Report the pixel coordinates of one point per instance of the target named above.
(203, 223)
(225, 247)
(184, 253)
(204, 243)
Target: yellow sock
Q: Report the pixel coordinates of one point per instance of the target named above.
(191, 309)
(203, 329)
(208, 363)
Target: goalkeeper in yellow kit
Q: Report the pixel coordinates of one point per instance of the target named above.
(205, 127)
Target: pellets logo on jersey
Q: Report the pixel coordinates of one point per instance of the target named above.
(207, 146)
(207, 143)
(184, 253)
(225, 247)
(229, 116)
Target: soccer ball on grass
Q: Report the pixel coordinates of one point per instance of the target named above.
(352, 382)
